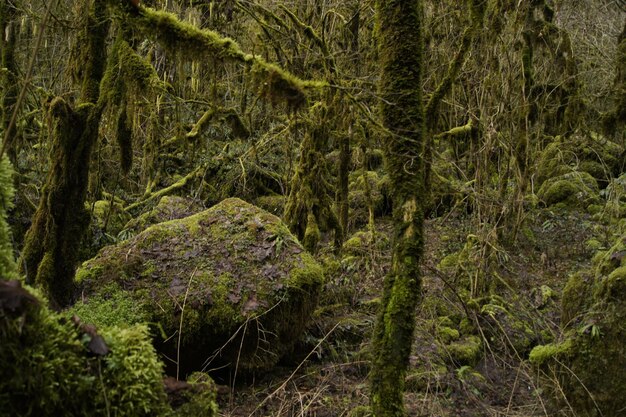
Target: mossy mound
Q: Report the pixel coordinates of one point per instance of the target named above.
(168, 208)
(210, 279)
(52, 366)
(572, 190)
(590, 360)
(590, 153)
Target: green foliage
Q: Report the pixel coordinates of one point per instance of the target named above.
(48, 370)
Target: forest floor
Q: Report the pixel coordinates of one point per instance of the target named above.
(328, 374)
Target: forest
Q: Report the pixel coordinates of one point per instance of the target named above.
(314, 208)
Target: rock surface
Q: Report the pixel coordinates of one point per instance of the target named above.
(208, 280)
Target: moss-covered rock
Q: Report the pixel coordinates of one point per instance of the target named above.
(465, 351)
(572, 190)
(590, 361)
(588, 153)
(210, 279)
(51, 366)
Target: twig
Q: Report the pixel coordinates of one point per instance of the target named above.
(284, 384)
(180, 326)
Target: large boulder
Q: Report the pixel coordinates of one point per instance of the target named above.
(227, 286)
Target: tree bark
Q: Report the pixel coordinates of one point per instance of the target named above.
(400, 48)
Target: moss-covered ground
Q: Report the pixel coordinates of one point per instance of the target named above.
(471, 354)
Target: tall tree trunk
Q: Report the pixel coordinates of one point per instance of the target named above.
(52, 243)
(401, 49)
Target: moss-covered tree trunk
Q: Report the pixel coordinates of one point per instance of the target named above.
(8, 41)
(53, 240)
(400, 48)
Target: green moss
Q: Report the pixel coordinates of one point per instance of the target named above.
(591, 153)
(547, 294)
(576, 189)
(466, 351)
(52, 244)
(449, 262)
(236, 269)
(606, 261)
(274, 204)
(613, 287)
(428, 375)
(358, 244)
(181, 37)
(312, 234)
(590, 361)
(48, 370)
(111, 307)
(402, 113)
(311, 196)
(365, 189)
(199, 399)
(168, 208)
(447, 334)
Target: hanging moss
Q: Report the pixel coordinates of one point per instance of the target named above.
(310, 190)
(275, 83)
(477, 13)
(127, 74)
